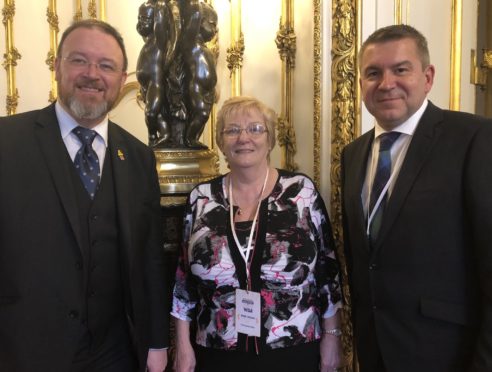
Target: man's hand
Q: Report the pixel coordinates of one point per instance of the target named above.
(156, 360)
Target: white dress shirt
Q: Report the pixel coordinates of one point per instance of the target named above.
(68, 123)
(398, 152)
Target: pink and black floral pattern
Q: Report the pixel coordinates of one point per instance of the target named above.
(294, 266)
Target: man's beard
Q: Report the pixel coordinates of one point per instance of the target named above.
(88, 111)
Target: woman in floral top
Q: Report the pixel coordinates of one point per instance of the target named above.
(261, 280)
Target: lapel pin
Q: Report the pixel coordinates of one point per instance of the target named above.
(121, 155)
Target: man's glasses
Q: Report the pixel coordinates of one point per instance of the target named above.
(80, 63)
(253, 130)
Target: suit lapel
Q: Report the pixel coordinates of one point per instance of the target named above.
(423, 141)
(49, 138)
(356, 169)
(118, 152)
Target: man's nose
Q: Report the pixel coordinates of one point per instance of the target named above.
(92, 69)
(388, 80)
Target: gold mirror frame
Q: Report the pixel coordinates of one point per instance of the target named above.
(345, 127)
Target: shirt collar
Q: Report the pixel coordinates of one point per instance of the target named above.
(67, 123)
(407, 127)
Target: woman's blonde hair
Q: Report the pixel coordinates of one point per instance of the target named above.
(242, 105)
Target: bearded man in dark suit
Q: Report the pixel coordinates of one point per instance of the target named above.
(417, 210)
(82, 270)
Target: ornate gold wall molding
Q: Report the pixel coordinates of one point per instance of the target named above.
(456, 36)
(10, 56)
(52, 19)
(345, 127)
(78, 11)
(235, 52)
(398, 12)
(286, 44)
(317, 91)
(92, 9)
(102, 10)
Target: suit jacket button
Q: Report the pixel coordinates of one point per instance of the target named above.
(74, 314)
(373, 266)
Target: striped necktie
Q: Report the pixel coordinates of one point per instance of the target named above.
(381, 178)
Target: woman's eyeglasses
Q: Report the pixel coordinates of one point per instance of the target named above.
(253, 130)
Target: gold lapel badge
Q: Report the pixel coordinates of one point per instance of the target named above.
(121, 155)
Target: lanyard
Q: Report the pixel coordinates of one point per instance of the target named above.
(245, 251)
(394, 172)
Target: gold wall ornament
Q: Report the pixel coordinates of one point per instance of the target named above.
(286, 44)
(479, 72)
(179, 171)
(346, 29)
(10, 56)
(92, 9)
(398, 12)
(286, 137)
(78, 11)
(487, 59)
(456, 37)
(235, 52)
(317, 92)
(53, 23)
(102, 10)
(8, 11)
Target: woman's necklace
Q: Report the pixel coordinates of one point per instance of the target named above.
(239, 210)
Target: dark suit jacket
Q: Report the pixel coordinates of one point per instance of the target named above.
(423, 294)
(40, 244)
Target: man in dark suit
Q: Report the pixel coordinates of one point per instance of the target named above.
(82, 270)
(417, 210)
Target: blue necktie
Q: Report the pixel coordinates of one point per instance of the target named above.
(383, 173)
(86, 160)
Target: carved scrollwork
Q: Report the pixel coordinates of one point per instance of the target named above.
(286, 137)
(235, 54)
(8, 13)
(50, 60)
(286, 44)
(11, 57)
(52, 19)
(78, 15)
(11, 102)
(344, 129)
(92, 9)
